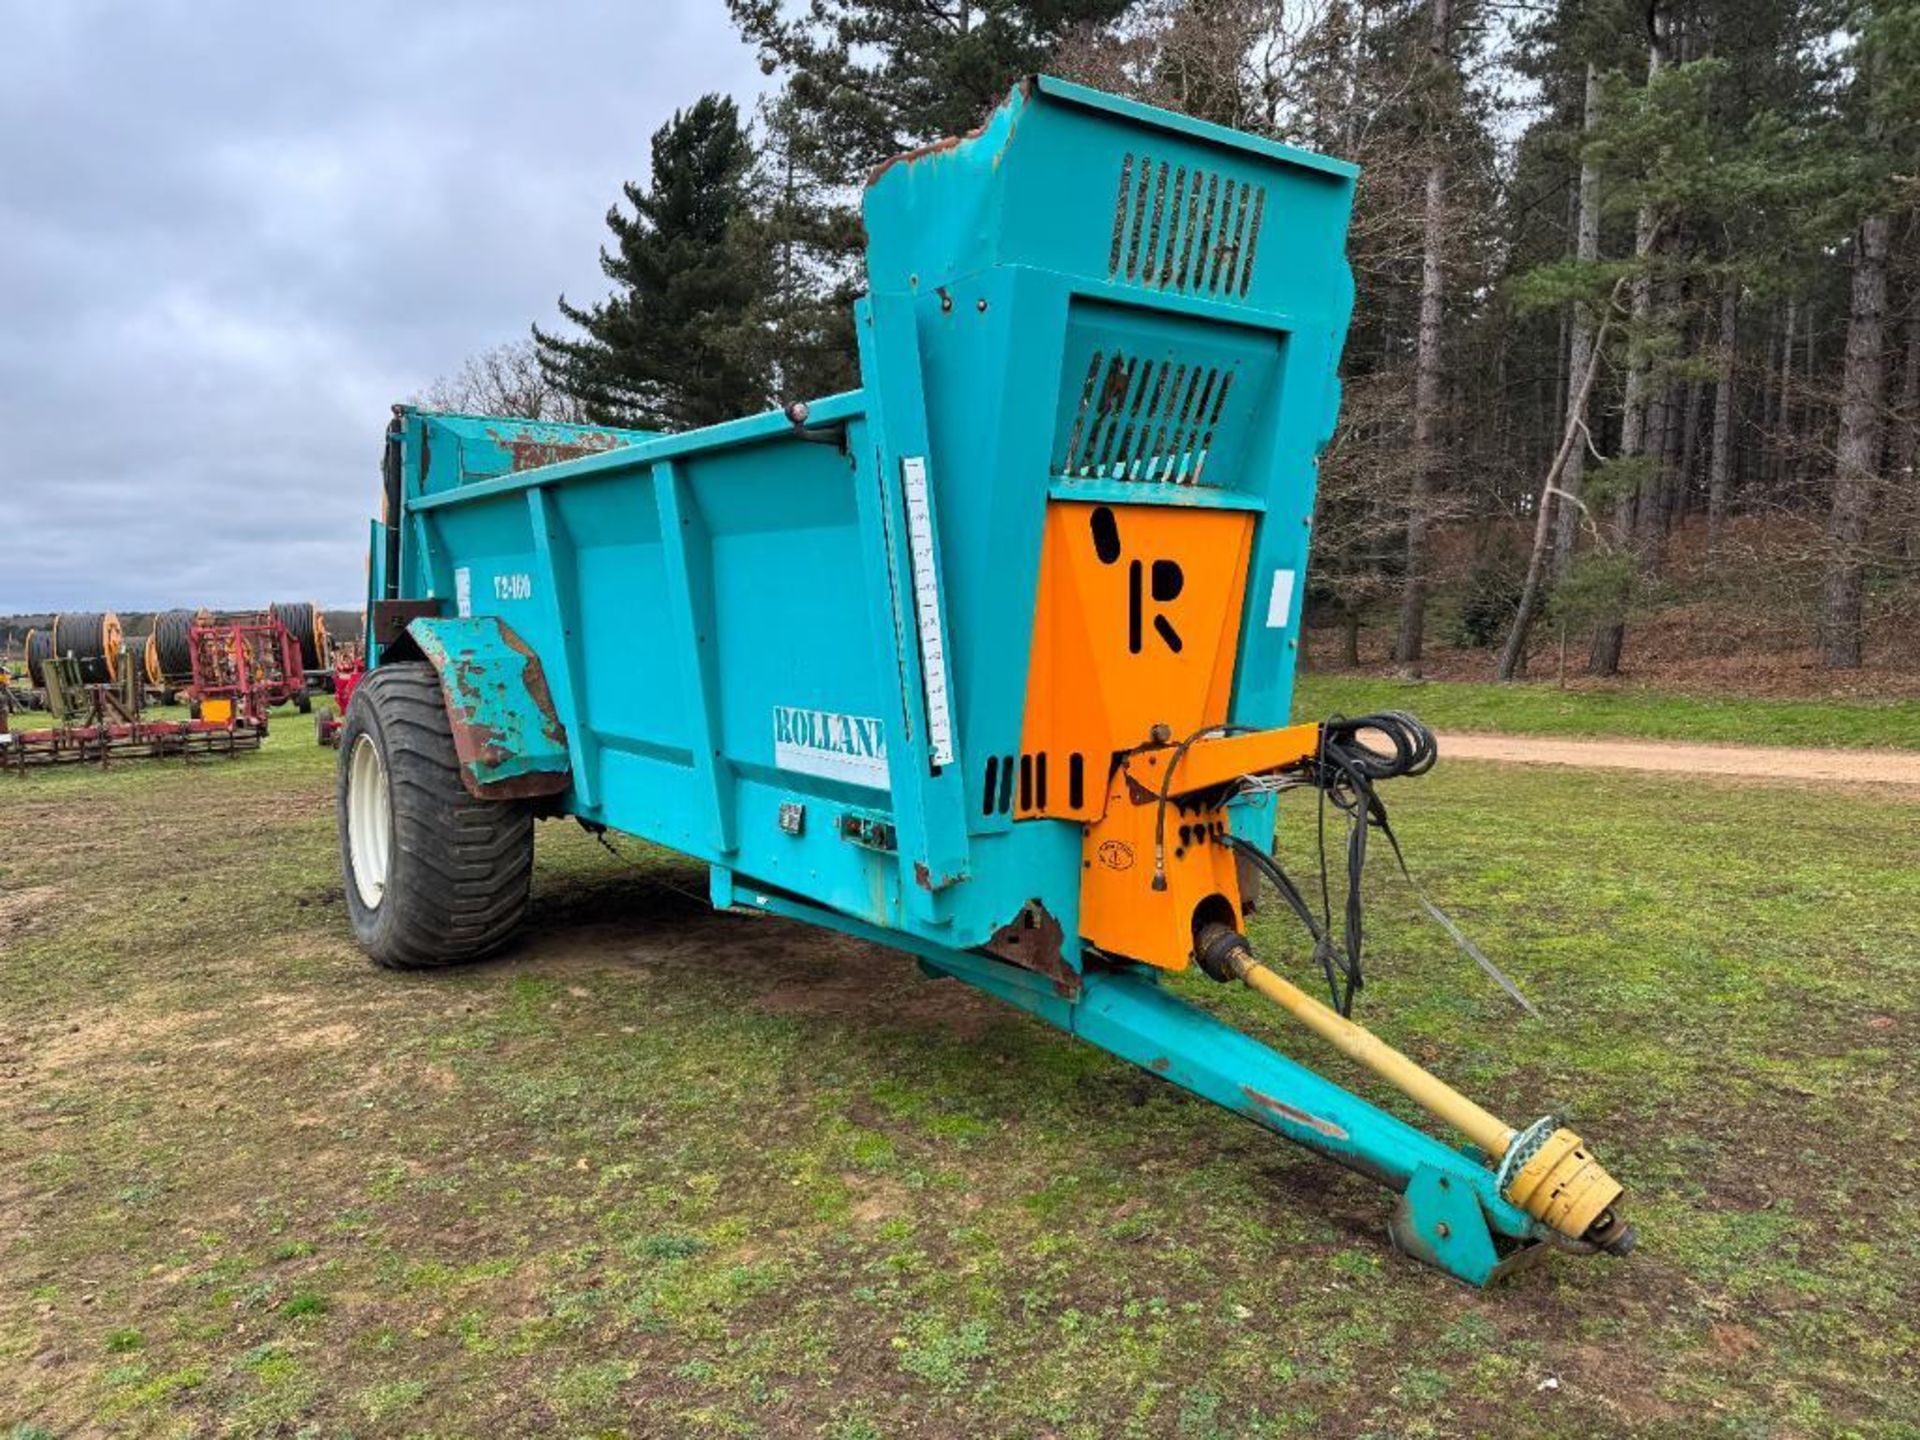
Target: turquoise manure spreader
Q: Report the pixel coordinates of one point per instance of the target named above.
(989, 660)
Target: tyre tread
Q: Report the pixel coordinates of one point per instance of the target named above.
(464, 886)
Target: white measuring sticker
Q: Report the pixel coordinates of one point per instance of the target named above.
(463, 592)
(926, 605)
(1280, 603)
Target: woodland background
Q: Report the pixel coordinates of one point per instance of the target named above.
(1633, 383)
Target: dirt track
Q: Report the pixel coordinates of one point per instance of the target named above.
(1749, 762)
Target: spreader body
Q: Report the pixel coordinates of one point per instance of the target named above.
(971, 660)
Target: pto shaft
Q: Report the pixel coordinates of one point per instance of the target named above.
(1430, 1093)
(1550, 1175)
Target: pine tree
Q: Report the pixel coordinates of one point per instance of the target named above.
(864, 80)
(679, 341)
(867, 79)
(814, 245)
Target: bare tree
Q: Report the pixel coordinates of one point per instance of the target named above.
(506, 380)
(1573, 441)
(1586, 249)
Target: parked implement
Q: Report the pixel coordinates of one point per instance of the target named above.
(348, 671)
(173, 646)
(249, 659)
(103, 723)
(307, 623)
(989, 660)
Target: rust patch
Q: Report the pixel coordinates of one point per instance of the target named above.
(485, 747)
(927, 880)
(1160, 1065)
(534, 786)
(949, 142)
(1289, 1112)
(533, 675)
(1034, 941)
(530, 452)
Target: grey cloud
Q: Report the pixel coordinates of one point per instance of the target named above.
(231, 235)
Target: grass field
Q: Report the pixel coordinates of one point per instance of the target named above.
(1538, 709)
(666, 1173)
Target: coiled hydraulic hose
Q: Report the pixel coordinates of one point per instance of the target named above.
(1345, 770)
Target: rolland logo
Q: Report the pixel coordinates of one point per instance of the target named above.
(823, 742)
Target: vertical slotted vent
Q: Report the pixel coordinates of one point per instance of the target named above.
(1142, 419)
(1181, 228)
(996, 793)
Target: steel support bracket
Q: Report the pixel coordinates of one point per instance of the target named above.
(1440, 1223)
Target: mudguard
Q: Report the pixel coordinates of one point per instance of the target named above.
(506, 732)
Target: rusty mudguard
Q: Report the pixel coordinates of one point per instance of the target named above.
(508, 737)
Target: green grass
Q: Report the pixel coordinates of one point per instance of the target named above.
(668, 1173)
(1539, 709)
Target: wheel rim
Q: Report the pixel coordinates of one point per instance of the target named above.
(369, 821)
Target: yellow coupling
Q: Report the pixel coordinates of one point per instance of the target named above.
(1549, 1173)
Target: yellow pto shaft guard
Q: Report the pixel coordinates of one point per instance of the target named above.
(1545, 1169)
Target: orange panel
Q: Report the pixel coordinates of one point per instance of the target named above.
(1121, 910)
(1136, 626)
(1136, 632)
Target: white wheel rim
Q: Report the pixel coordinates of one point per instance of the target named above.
(369, 821)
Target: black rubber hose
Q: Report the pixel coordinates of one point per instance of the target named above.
(39, 647)
(90, 637)
(298, 617)
(173, 644)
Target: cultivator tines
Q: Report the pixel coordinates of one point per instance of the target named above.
(102, 723)
(126, 740)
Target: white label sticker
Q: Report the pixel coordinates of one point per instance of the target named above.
(1280, 603)
(463, 592)
(926, 605)
(830, 745)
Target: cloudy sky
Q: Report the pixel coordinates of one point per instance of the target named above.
(232, 234)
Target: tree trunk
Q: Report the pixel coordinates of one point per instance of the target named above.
(1679, 499)
(1813, 422)
(1783, 412)
(1609, 640)
(1856, 471)
(1586, 247)
(1905, 446)
(1649, 516)
(1427, 372)
(1720, 471)
(1513, 655)
(1545, 420)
